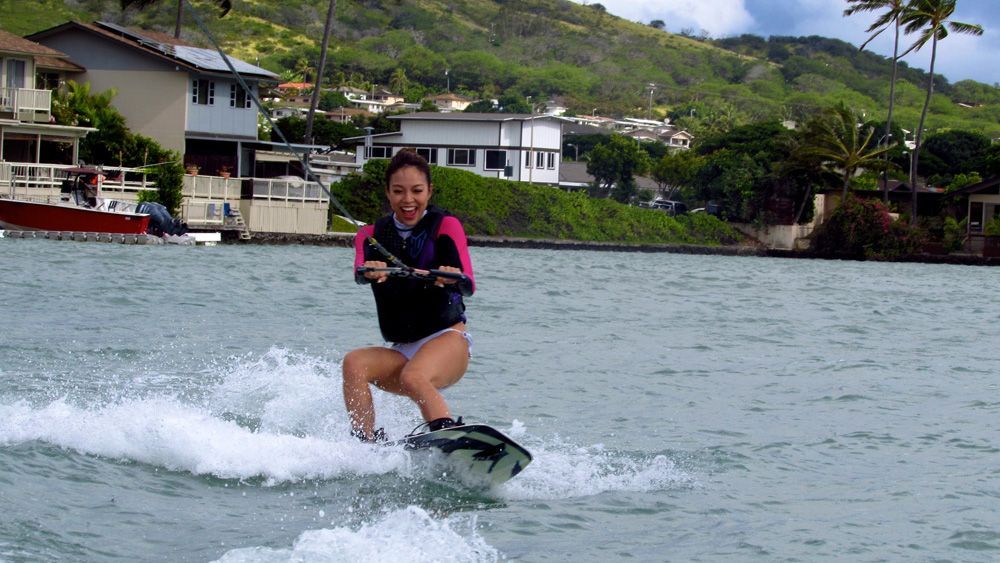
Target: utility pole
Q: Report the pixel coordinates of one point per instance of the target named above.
(531, 153)
(314, 101)
(649, 113)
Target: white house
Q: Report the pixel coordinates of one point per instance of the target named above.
(510, 146)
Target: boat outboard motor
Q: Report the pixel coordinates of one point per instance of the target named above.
(160, 221)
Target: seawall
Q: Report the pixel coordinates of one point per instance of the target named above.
(346, 240)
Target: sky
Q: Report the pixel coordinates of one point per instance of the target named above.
(960, 57)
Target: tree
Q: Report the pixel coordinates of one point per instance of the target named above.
(398, 81)
(842, 145)
(893, 11)
(224, 6)
(330, 100)
(326, 132)
(676, 170)
(953, 152)
(657, 24)
(929, 18)
(729, 178)
(615, 164)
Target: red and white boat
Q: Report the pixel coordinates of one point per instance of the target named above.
(80, 208)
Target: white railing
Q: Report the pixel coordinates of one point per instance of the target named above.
(43, 182)
(275, 189)
(206, 197)
(25, 99)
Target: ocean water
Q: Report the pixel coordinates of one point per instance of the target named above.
(184, 404)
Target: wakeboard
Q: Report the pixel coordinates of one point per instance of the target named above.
(479, 451)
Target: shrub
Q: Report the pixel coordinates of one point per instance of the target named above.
(992, 227)
(953, 234)
(863, 229)
(494, 207)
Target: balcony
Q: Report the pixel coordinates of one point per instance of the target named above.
(26, 104)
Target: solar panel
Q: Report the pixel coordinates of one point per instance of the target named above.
(206, 59)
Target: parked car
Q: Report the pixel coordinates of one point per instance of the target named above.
(670, 206)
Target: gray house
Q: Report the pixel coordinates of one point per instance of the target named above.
(182, 96)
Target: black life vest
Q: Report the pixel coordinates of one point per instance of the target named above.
(410, 309)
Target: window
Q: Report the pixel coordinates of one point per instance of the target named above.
(551, 164)
(539, 160)
(15, 73)
(526, 159)
(203, 92)
(461, 157)
(496, 160)
(379, 152)
(430, 155)
(46, 81)
(238, 97)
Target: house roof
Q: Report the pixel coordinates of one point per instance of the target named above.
(982, 187)
(54, 63)
(574, 128)
(449, 97)
(462, 116)
(295, 85)
(10, 43)
(575, 173)
(165, 47)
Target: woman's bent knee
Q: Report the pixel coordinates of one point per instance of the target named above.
(413, 381)
(355, 367)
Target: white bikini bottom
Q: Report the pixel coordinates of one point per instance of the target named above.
(409, 349)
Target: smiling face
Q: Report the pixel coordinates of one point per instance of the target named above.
(409, 192)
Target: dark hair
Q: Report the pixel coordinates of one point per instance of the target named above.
(407, 157)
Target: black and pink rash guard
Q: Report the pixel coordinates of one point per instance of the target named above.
(410, 309)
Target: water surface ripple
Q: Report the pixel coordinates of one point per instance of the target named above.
(183, 404)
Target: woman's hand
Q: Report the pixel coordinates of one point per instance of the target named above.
(376, 277)
(440, 282)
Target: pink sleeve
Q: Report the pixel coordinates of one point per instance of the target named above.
(452, 228)
(359, 244)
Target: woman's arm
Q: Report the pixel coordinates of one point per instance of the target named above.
(360, 240)
(453, 250)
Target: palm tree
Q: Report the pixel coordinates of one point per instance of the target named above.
(398, 81)
(843, 146)
(930, 19)
(894, 10)
(224, 5)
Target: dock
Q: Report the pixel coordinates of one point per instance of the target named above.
(205, 239)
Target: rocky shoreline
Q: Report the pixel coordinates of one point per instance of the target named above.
(346, 240)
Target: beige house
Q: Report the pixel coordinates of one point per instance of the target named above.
(29, 72)
(672, 137)
(451, 102)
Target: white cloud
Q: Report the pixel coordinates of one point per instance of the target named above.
(959, 56)
(718, 17)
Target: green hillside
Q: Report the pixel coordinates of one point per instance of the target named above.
(543, 48)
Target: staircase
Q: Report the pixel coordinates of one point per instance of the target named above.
(236, 219)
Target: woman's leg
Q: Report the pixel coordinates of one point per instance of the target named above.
(363, 367)
(439, 363)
